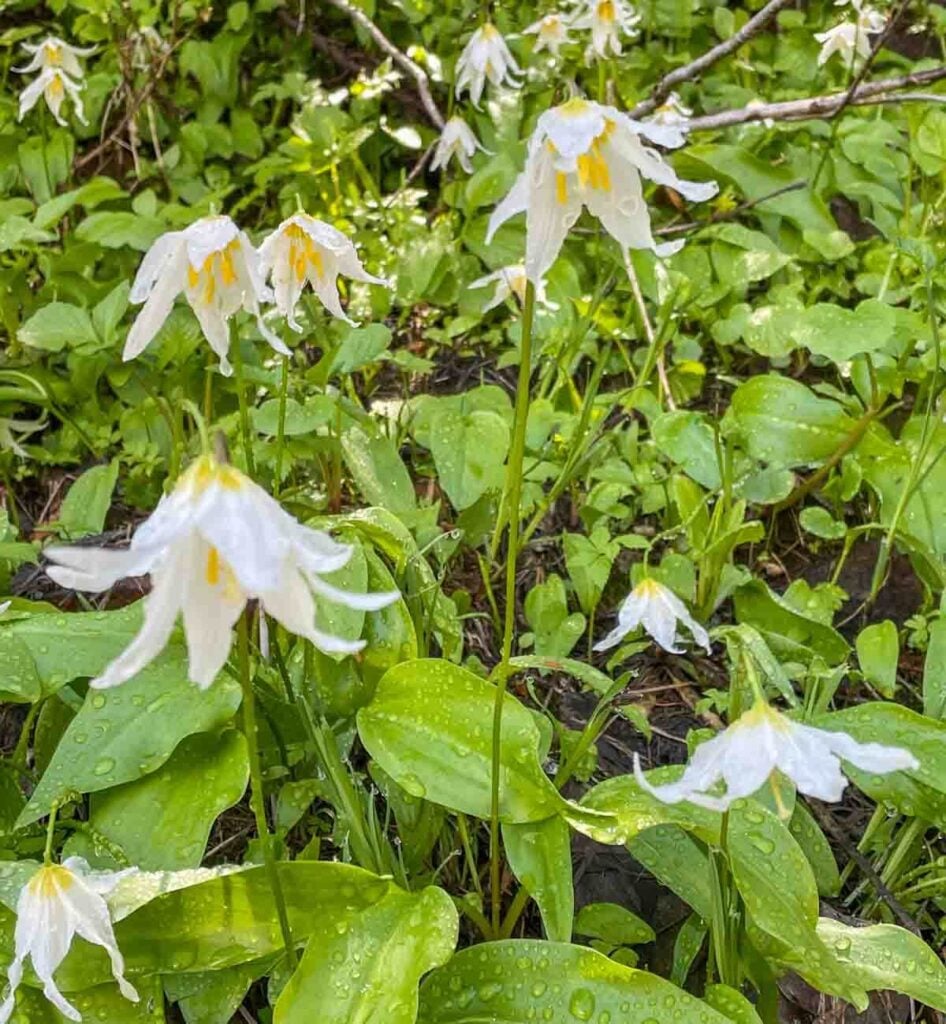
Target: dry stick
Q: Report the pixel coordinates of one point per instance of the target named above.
(696, 67)
(648, 329)
(401, 59)
(819, 107)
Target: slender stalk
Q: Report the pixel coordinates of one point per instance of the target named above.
(256, 782)
(281, 427)
(655, 352)
(50, 834)
(209, 393)
(514, 494)
(244, 408)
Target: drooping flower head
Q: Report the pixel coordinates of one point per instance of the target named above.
(585, 154)
(745, 755)
(54, 53)
(658, 609)
(54, 85)
(508, 281)
(56, 904)
(456, 139)
(304, 249)
(216, 267)
(551, 33)
(851, 38)
(608, 21)
(216, 541)
(485, 56)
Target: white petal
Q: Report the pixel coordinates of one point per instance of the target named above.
(154, 262)
(163, 283)
(95, 569)
(292, 606)
(363, 602)
(869, 757)
(516, 201)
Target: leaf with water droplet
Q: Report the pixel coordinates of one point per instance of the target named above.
(540, 856)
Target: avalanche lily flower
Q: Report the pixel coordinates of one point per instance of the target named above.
(658, 609)
(850, 38)
(53, 84)
(551, 33)
(486, 55)
(456, 139)
(671, 114)
(509, 281)
(56, 904)
(608, 20)
(761, 740)
(215, 542)
(587, 154)
(216, 267)
(305, 249)
(53, 52)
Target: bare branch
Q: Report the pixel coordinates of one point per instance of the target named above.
(819, 107)
(696, 67)
(401, 59)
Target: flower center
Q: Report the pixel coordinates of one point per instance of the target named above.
(51, 880)
(55, 86)
(206, 471)
(606, 11)
(217, 267)
(591, 167)
(303, 253)
(53, 53)
(217, 571)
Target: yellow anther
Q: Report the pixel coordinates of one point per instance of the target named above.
(561, 187)
(212, 571)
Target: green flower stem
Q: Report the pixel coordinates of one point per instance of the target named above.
(511, 504)
(244, 408)
(50, 834)
(281, 428)
(256, 782)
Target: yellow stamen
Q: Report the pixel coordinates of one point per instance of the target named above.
(302, 253)
(53, 53)
(55, 86)
(206, 471)
(212, 571)
(606, 10)
(50, 880)
(217, 265)
(561, 187)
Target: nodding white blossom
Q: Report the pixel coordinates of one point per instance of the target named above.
(215, 542)
(551, 33)
(456, 139)
(586, 154)
(850, 38)
(53, 84)
(745, 755)
(509, 281)
(53, 52)
(304, 249)
(56, 904)
(147, 45)
(658, 609)
(671, 114)
(216, 267)
(608, 21)
(486, 55)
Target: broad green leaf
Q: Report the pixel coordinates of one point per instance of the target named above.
(934, 670)
(101, 1003)
(87, 502)
(677, 860)
(367, 967)
(686, 438)
(554, 631)
(430, 728)
(540, 856)
(878, 654)
(213, 997)
(816, 848)
(123, 734)
(163, 820)
(819, 522)
(519, 981)
(791, 635)
(469, 451)
(378, 471)
(56, 326)
(115, 229)
(782, 422)
(317, 411)
(884, 956)
(613, 924)
(589, 560)
(839, 334)
(360, 347)
(732, 1004)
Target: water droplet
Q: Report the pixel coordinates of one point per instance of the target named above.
(582, 1004)
(104, 766)
(762, 843)
(98, 701)
(539, 988)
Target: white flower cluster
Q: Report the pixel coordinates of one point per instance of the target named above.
(60, 75)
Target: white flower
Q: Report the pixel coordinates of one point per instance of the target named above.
(671, 114)
(456, 139)
(216, 267)
(54, 85)
(509, 281)
(607, 19)
(551, 33)
(53, 52)
(214, 543)
(56, 904)
(658, 609)
(305, 249)
(486, 55)
(850, 38)
(586, 154)
(761, 740)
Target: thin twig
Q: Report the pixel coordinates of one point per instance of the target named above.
(401, 59)
(820, 107)
(648, 329)
(696, 67)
